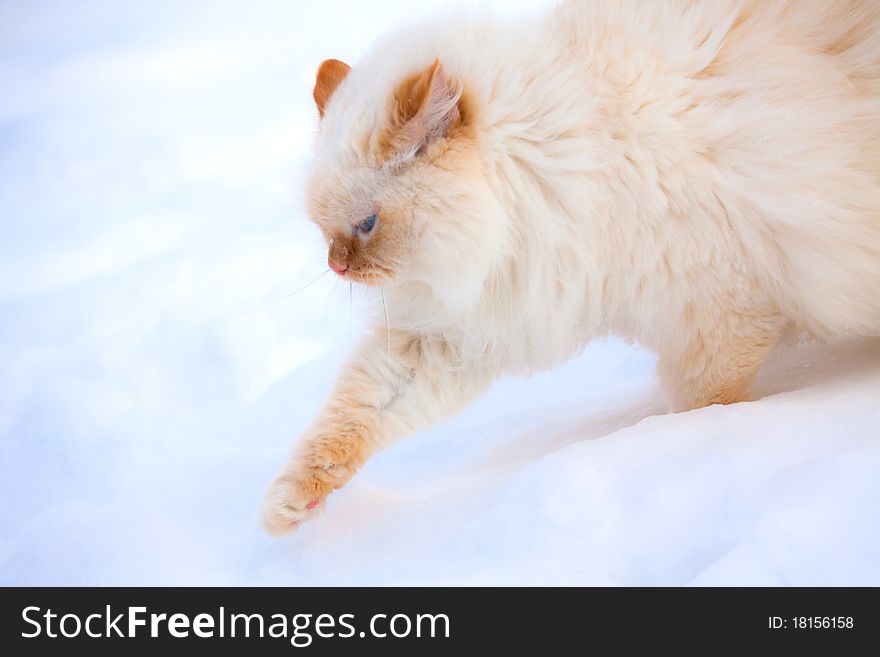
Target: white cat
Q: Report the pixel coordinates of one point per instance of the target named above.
(696, 176)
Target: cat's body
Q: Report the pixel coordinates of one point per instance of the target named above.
(695, 176)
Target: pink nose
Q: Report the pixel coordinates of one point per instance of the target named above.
(336, 267)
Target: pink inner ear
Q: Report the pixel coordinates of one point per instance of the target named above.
(433, 97)
(440, 111)
(425, 107)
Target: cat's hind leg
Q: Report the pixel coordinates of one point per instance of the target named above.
(714, 358)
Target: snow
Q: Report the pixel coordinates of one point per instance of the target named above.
(159, 353)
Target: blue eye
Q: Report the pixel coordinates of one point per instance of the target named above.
(367, 224)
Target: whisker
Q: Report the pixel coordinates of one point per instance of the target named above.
(329, 299)
(314, 280)
(350, 330)
(327, 304)
(387, 327)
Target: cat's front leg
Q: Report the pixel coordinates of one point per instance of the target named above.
(393, 385)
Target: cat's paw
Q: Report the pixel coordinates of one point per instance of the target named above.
(322, 465)
(286, 506)
(295, 495)
(299, 492)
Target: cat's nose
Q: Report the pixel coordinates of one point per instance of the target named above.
(337, 267)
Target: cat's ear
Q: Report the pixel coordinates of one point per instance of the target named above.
(330, 75)
(425, 108)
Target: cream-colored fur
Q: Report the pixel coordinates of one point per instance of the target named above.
(695, 176)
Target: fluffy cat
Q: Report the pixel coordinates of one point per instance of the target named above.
(696, 176)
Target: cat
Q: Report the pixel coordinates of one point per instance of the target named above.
(698, 177)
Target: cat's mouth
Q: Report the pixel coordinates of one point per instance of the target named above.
(365, 278)
(366, 275)
(372, 277)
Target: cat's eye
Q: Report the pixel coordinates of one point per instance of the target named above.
(367, 224)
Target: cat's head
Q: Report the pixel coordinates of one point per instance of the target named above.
(398, 184)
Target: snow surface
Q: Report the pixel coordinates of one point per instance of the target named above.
(156, 365)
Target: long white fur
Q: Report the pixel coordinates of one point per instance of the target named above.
(647, 169)
(598, 168)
